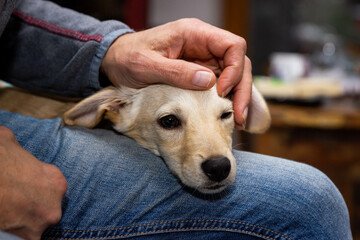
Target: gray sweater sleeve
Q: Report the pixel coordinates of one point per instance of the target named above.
(7, 236)
(49, 48)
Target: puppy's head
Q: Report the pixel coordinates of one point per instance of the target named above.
(191, 130)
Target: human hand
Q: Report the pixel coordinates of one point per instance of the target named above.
(30, 190)
(187, 53)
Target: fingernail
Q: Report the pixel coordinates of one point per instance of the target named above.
(245, 113)
(202, 79)
(226, 92)
(240, 127)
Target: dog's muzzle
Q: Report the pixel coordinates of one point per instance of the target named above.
(216, 168)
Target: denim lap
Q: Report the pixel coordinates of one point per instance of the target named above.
(116, 189)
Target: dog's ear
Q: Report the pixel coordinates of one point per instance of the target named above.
(258, 119)
(90, 111)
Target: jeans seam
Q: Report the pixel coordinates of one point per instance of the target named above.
(139, 233)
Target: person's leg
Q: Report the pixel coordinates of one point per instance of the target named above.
(118, 190)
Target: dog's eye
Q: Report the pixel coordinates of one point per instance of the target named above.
(169, 122)
(226, 115)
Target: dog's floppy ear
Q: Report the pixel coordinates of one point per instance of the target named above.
(90, 111)
(258, 119)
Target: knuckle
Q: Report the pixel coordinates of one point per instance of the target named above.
(248, 63)
(63, 185)
(189, 22)
(195, 20)
(59, 179)
(53, 217)
(6, 133)
(241, 42)
(51, 212)
(178, 73)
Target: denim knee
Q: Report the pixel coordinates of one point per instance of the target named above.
(301, 201)
(320, 206)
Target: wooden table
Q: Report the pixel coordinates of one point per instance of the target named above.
(332, 114)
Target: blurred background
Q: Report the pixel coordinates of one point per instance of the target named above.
(306, 62)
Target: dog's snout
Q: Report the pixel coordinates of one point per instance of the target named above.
(216, 168)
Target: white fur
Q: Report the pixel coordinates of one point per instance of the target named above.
(202, 134)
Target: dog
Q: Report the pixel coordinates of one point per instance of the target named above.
(191, 130)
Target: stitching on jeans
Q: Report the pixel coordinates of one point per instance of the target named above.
(56, 29)
(173, 229)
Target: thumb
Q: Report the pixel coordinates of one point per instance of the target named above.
(184, 74)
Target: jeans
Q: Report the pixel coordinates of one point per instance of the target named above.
(116, 190)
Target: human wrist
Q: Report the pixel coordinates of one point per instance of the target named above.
(105, 55)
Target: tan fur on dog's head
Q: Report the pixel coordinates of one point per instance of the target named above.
(191, 130)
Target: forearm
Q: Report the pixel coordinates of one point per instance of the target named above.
(49, 48)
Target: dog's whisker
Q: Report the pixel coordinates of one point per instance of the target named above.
(238, 145)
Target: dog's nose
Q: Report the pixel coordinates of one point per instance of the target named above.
(216, 168)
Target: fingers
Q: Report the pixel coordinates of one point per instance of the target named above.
(230, 51)
(239, 79)
(242, 96)
(232, 74)
(146, 64)
(183, 74)
(31, 191)
(184, 54)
